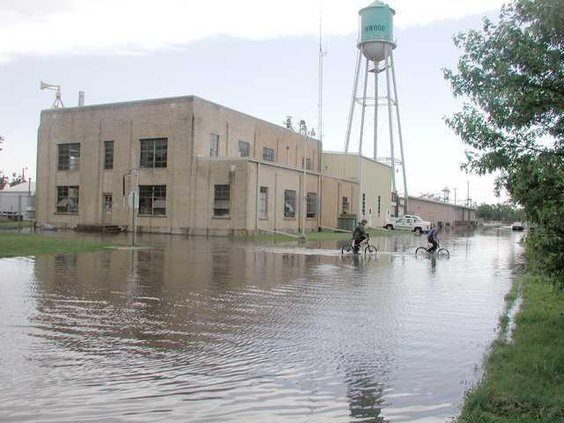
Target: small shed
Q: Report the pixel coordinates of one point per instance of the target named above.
(18, 202)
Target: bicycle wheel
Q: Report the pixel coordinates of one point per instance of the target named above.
(370, 249)
(421, 251)
(347, 248)
(443, 252)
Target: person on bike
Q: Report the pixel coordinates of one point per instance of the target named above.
(432, 239)
(359, 235)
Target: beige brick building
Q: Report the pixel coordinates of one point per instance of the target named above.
(374, 202)
(192, 166)
(442, 213)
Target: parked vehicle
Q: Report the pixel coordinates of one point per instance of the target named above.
(517, 226)
(408, 222)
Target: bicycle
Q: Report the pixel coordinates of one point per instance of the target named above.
(439, 252)
(365, 244)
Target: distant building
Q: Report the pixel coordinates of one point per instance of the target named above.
(442, 213)
(191, 166)
(376, 185)
(18, 202)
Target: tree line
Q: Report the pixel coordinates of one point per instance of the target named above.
(511, 77)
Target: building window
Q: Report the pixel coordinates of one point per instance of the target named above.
(268, 154)
(244, 149)
(152, 200)
(214, 145)
(307, 164)
(363, 204)
(107, 200)
(379, 204)
(263, 203)
(289, 203)
(345, 205)
(68, 156)
(153, 153)
(221, 200)
(311, 208)
(67, 199)
(108, 154)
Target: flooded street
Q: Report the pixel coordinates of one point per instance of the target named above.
(216, 330)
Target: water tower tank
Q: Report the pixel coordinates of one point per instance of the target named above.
(376, 31)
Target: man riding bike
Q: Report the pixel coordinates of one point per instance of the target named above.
(359, 235)
(432, 239)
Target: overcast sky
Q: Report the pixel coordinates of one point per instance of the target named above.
(258, 57)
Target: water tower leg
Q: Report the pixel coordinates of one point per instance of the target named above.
(375, 110)
(390, 125)
(399, 131)
(351, 112)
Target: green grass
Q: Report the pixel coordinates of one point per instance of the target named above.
(17, 245)
(524, 378)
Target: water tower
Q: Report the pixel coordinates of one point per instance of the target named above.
(376, 45)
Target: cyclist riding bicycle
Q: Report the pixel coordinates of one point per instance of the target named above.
(432, 239)
(359, 235)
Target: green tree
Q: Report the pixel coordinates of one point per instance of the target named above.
(511, 76)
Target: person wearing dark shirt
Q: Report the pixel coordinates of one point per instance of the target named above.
(432, 239)
(359, 235)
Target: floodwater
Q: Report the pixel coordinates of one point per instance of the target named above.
(216, 330)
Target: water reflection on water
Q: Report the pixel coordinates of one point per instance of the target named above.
(214, 330)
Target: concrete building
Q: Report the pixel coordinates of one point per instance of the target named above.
(189, 165)
(374, 202)
(18, 202)
(442, 213)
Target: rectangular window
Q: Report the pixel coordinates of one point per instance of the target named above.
(311, 208)
(363, 204)
(307, 164)
(67, 199)
(268, 154)
(379, 204)
(221, 200)
(345, 206)
(214, 145)
(68, 156)
(107, 199)
(263, 203)
(289, 203)
(152, 200)
(153, 153)
(244, 149)
(108, 154)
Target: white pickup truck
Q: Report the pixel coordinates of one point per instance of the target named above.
(409, 222)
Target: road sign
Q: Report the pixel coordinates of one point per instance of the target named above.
(133, 199)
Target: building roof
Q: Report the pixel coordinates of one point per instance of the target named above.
(23, 187)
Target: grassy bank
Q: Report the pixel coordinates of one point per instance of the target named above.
(16, 245)
(524, 378)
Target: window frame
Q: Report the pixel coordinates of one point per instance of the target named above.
(345, 205)
(244, 148)
(152, 194)
(290, 200)
(153, 153)
(262, 207)
(108, 155)
(65, 156)
(214, 145)
(63, 192)
(107, 205)
(222, 200)
(311, 205)
(268, 154)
